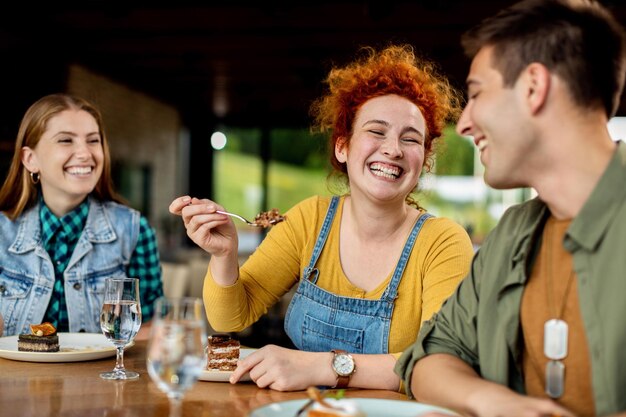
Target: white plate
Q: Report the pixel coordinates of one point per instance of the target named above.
(371, 406)
(223, 376)
(74, 347)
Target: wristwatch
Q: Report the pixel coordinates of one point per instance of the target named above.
(344, 366)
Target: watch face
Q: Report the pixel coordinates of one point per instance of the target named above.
(343, 364)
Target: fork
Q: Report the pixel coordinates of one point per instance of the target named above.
(248, 222)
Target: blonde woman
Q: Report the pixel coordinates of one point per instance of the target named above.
(63, 229)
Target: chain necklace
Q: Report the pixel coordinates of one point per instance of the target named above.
(555, 330)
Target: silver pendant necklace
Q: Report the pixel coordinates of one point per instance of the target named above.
(555, 348)
(555, 333)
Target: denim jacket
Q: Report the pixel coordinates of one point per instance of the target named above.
(104, 250)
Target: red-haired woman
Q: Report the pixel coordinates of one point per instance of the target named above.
(369, 263)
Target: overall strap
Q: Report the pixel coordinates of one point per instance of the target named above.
(392, 288)
(321, 239)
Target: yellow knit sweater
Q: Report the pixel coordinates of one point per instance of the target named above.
(440, 259)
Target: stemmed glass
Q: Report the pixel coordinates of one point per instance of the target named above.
(120, 320)
(176, 347)
(1, 319)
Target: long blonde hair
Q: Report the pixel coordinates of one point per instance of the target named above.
(18, 192)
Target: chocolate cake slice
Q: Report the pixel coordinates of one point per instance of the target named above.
(34, 343)
(43, 338)
(222, 353)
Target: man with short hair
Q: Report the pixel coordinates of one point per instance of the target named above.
(537, 328)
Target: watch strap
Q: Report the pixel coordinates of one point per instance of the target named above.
(342, 380)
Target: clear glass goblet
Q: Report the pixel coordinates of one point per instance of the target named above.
(176, 347)
(120, 320)
(1, 318)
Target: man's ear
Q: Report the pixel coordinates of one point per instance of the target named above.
(537, 84)
(29, 159)
(341, 149)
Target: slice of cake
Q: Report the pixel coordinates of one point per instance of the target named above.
(43, 338)
(222, 353)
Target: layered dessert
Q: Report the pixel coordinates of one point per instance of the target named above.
(222, 353)
(269, 218)
(42, 338)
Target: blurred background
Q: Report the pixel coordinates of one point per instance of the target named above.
(212, 100)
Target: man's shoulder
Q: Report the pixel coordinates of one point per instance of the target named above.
(522, 215)
(517, 223)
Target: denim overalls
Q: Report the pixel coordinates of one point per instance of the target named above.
(103, 250)
(319, 321)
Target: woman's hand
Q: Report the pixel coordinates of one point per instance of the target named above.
(213, 232)
(284, 369)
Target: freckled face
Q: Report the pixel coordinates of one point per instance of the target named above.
(69, 156)
(385, 154)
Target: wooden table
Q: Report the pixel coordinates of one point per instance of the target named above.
(76, 389)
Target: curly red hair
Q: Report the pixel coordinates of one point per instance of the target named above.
(393, 70)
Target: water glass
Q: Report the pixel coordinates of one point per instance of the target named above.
(120, 320)
(1, 318)
(176, 347)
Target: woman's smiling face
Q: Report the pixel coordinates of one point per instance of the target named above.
(68, 157)
(385, 154)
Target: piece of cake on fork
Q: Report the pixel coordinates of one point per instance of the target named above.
(222, 353)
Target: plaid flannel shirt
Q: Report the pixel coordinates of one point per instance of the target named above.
(60, 236)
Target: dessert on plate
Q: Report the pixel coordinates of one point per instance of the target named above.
(222, 353)
(42, 338)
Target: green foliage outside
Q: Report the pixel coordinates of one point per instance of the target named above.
(473, 216)
(299, 148)
(297, 169)
(238, 183)
(454, 154)
(296, 147)
(246, 141)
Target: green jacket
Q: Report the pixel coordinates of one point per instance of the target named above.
(480, 322)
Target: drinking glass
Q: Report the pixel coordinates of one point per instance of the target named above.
(1, 318)
(120, 320)
(176, 347)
